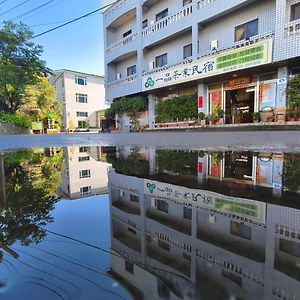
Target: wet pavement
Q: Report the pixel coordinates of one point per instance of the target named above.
(107, 222)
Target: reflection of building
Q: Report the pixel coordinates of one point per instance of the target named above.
(2, 183)
(82, 97)
(85, 173)
(235, 55)
(178, 241)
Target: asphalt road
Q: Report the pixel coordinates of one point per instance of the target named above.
(286, 141)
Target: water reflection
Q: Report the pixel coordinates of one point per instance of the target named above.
(206, 225)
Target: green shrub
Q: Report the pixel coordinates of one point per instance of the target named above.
(18, 120)
(180, 107)
(293, 92)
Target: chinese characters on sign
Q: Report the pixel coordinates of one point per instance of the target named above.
(250, 209)
(249, 56)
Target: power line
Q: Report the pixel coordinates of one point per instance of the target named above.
(74, 20)
(3, 1)
(13, 8)
(32, 10)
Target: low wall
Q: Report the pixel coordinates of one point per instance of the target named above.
(6, 129)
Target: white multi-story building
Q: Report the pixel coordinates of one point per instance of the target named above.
(235, 54)
(82, 97)
(85, 173)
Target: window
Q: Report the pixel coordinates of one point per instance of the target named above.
(246, 30)
(128, 266)
(82, 124)
(81, 80)
(186, 256)
(131, 70)
(83, 158)
(84, 173)
(162, 14)
(161, 60)
(145, 23)
(134, 198)
(84, 149)
(234, 278)
(186, 2)
(81, 98)
(164, 245)
(82, 114)
(240, 230)
(131, 230)
(187, 213)
(162, 205)
(127, 33)
(295, 12)
(187, 51)
(289, 247)
(86, 190)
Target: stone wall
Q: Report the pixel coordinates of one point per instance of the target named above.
(6, 129)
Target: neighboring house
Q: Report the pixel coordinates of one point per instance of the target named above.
(82, 97)
(85, 173)
(237, 55)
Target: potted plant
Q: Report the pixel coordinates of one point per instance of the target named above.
(256, 117)
(209, 119)
(267, 114)
(202, 117)
(220, 114)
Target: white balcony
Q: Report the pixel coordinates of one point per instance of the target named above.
(292, 27)
(204, 3)
(125, 41)
(168, 21)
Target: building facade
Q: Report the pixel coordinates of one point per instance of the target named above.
(237, 55)
(82, 98)
(176, 242)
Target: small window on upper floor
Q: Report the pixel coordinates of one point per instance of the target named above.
(131, 70)
(127, 33)
(145, 23)
(162, 14)
(187, 51)
(81, 98)
(295, 11)
(81, 80)
(161, 60)
(186, 2)
(246, 30)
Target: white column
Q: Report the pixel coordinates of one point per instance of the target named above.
(203, 98)
(281, 87)
(151, 110)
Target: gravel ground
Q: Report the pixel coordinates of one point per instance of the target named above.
(285, 141)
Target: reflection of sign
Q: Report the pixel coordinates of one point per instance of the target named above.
(246, 208)
(249, 56)
(237, 83)
(37, 125)
(267, 94)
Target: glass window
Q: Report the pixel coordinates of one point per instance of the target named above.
(82, 114)
(131, 70)
(81, 98)
(86, 190)
(161, 60)
(134, 198)
(187, 213)
(187, 51)
(240, 230)
(84, 149)
(81, 80)
(145, 23)
(83, 158)
(127, 33)
(82, 124)
(295, 12)
(164, 245)
(131, 230)
(84, 173)
(186, 2)
(162, 14)
(162, 205)
(246, 30)
(128, 266)
(289, 247)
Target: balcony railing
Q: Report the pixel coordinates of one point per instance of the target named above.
(239, 44)
(125, 41)
(167, 21)
(204, 3)
(120, 82)
(292, 27)
(115, 7)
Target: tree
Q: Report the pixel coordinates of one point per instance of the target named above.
(20, 64)
(41, 103)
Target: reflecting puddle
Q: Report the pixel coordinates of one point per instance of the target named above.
(134, 223)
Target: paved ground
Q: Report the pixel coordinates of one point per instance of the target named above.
(288, 141)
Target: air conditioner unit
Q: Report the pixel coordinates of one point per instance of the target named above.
(214, 45)
(151, 65)
(212, 219)
(119, 76)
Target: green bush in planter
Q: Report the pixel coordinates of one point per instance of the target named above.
(293, 93)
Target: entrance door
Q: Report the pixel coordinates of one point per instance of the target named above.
(240, 106)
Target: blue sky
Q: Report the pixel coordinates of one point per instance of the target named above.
(78, 46)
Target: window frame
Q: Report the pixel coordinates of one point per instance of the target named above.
(293, 11)
(245, 27)
(88, 192)
(84, 124)
(162, 206)
(80, 77)
(82, 114)
(86, 173)
(131, 70)
(157, 59)
(191, 51)
(162, 14)
(79, 97)
(127, 33)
